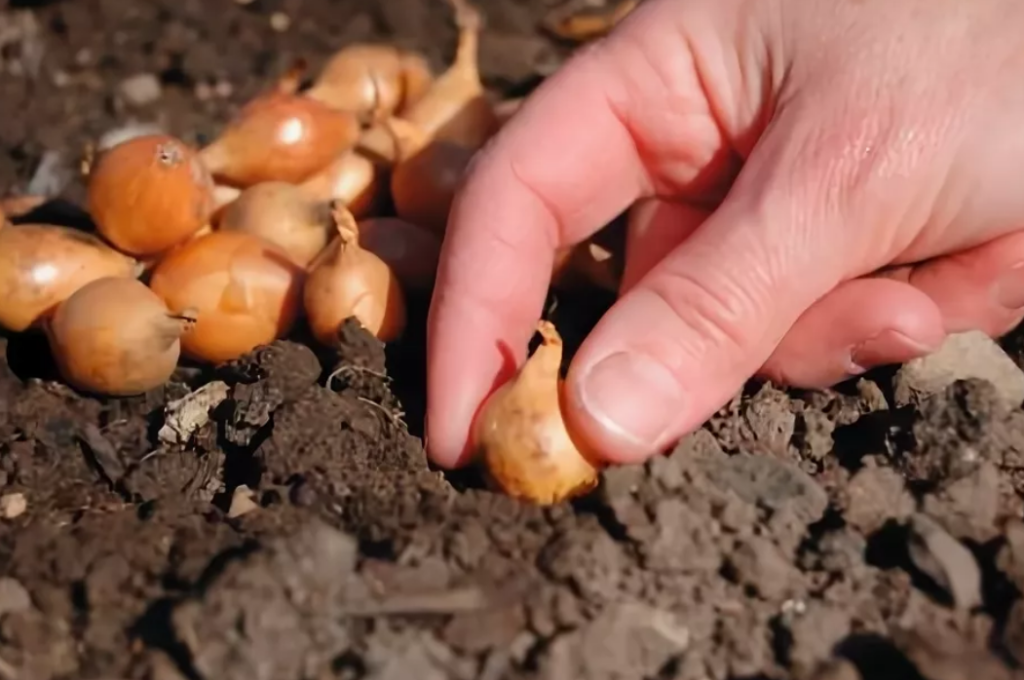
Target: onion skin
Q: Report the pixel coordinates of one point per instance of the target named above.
(280, 213)
(520, 435)
(280, 136)
(353, 179)
(149, 193)
(411, 251)
(347, 281)
(116, 337)
(41, 265)
(243, 290)
(347, 79)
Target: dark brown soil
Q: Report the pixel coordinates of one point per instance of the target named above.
(829, 535)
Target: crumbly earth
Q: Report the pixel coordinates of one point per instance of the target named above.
(299, 532)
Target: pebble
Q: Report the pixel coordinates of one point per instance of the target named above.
(13, 596)
(963, 355)
(141, 89)
(945, 560)
(13, 505)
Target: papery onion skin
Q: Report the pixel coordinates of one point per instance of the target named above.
(115, 336)
(520, 435)
(244, 291)
(41, 265)
(149, 193)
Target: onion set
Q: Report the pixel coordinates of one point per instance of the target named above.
(115, 336)
(521, 437)
(244, 291)
(366, 77)
(347, 281)
(280, 135)
(149, 193)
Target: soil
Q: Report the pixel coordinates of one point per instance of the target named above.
(298, 532)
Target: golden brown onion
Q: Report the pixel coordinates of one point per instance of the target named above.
(348, 281)
(282, 214)
(455, 109)
(426, 176)
(353, 179)
(521, 437)
(115, 336)
(41, 265)
(280, 135)
(347, 79)
(149, 193)
(244, 291)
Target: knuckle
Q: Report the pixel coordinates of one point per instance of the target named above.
(718, 314)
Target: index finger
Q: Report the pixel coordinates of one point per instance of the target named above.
(563, 167)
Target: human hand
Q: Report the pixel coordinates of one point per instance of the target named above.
(780, 153)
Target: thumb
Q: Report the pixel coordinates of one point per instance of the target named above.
(684, 339)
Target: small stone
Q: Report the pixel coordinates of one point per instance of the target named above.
(13, 596)
(242, 502)
(945, 560)
(962, 356)
(760, 565)
(280, 22)
(141, 90)
(13, 505)
(875, 495)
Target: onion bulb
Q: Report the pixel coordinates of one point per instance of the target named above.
(426, 175)
(456, 108)
(115, 336)
(41, 265)
(244, 291)
(521, 437)
(280, 135)
(347, 79)
(149, 193)
(280, 213)
(347, 280)
(411, 251)
(353, 179)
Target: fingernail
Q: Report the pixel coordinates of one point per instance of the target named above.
(632, 396)
(1010, 288)
(885, 348)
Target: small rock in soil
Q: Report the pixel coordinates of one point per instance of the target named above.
(141, 89)
(274, 614)
(629, 640)
(874, 496)
(963, 355)
(945, 560)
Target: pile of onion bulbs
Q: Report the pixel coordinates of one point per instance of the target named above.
(281, 220)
